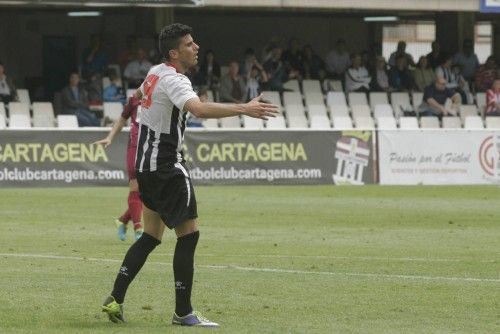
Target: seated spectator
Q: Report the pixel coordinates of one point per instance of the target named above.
(94, 90)
(357, 78)
(136, 70)
(493, 99)
(338, 60)
(486, 74)
(114, 92)
(380, 82)
(247, 62)
(436, 101)
(292, 57)
(74, 101)
(434, 57)
(467, 60)
(209, 73)
(276, 71)
(129, 53)
(8, 91)
(454, 79)
(192, 121)
(232, 85)
(423, 75)
(401, 51)
(95, 58)
(256, 81)
(399, 76)
(312, 64)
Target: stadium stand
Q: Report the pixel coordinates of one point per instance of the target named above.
(339, 110)
(3, 122)
(251, 123)
(365, 123)
(408, 122)
(292, 85)
(211, 123)
(357, 99)
(112, 110)
(320, 122)
(467, 110)
(67, 122)
(383, 110)
(400, 101)
(311, 86)
(297, 121)
(317, 110)
(19, 121)
(230, 122)
(24, 96)
(2, 110)
(492, 122)
(19, 108)
(43, 115)
(277, 122)
(360, 110)
(429, 122)
(378, 98)
(336, 99)
(452, 122)
(314, 98)
(473, 122)
(386, 123)
(342, 123)
(417, 98)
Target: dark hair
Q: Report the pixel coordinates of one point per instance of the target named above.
(170, 35)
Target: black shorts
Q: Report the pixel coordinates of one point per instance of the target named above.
(170, 193)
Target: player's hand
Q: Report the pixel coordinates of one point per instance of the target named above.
(106, 142)
(261, 110)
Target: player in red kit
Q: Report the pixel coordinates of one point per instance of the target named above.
(134, 210)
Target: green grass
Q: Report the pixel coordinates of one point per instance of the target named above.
(270, 260)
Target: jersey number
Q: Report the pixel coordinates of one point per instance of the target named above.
(149, 87)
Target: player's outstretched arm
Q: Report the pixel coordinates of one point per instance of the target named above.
(255, 108)
(117, 127)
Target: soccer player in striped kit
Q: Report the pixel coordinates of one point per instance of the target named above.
(164, 183)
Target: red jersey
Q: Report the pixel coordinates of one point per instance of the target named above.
(130, 111)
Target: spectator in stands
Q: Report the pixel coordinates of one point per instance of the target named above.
(357, 78)
(276, 71)
(8, 91)
(467, 60)
(423, 75)
(438, 100)
(434, 57)
(129, 53)
(312, 64)
(114, 92)
(232, 85)
(256, 81)
(486, 74)
(94, 90)
(247, 62)
(380, 82)
(399, 76)
(74, 100)
(401, 51)
(493, 99)
(95, 58)
(136, 70)
(324, 82)
(338, 61)
(454, 79)
(209, 73)
(292, 57)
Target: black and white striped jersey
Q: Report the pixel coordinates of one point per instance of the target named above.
(163, 120)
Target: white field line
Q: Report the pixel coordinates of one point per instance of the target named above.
(270, 270)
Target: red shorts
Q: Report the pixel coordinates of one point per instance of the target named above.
(131, 162)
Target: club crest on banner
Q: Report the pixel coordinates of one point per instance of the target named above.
(352, 153)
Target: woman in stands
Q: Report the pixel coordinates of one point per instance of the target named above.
(493, 99)
(8, 91)
(134, 210)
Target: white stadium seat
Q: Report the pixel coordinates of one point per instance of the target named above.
(3, 123)
(382, 110)
(336, 85)
(342, 123)
(408, 123)
(400, 101)
(360, 110)
(19, 121)
(112, 110)
(452, 122)
(377, 98)
(386, 123)
(2, 110)
(19, 108)
(272, 97)
(356, 98)
(473, 122)
(418, 97)
(211, 123)
(467, 110)
(493, 122)
(320, 122)
(481, 101)
(252, 123)
(292, 85)
(365, 123)
(43, 114)
(292, 98)
(317, 110)
(297, 121)
(230, 122)
(295, 110)
(277, 122)
(336, 99)
(311, 86)
(67, 121)
(314, 98)
(339, 110)
(429, 122)
(24, 96)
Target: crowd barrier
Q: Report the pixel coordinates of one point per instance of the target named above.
(57, 158)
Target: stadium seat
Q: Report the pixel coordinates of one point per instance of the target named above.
(253, 123)
(400, 101)
(386, 123)
(417, 97)
(336, 85)
(359, 110)
(342, 123)
(24, 96)
(67, 121)
(295, 110)
(452, 122)
(383, 110)
(408, 123)
(2, 110)
(112, 110)
(19, 121)
(210, 96)
(467, 110)
(230, 122)
(320, 122)
(336, 99)
(272, 97)
(365, 123)
(43, 114)
(210, 123)
(473, 122)
(19, 108)
(339, 110)
(356, 98)
(377, 98)
(317, 110)
(492, 122)
(429, 122)
(314, 98)
(106, 82)
(297, 121)
(481, 102)
(277, 122)
(130, 92)
(311, 86)
(292, 98)
(292, 85)
(3, 123)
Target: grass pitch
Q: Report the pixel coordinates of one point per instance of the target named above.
(270, 260)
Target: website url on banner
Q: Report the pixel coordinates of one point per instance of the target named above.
(67, 176)
(232, 173)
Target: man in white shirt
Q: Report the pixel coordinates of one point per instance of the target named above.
(357, 78)
(136, 70)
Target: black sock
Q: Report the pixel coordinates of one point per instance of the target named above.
(183, 272)
(133, 262)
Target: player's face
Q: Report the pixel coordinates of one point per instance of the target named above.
(188, 51)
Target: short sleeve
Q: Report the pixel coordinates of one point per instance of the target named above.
(179, 90)
(449, 92)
